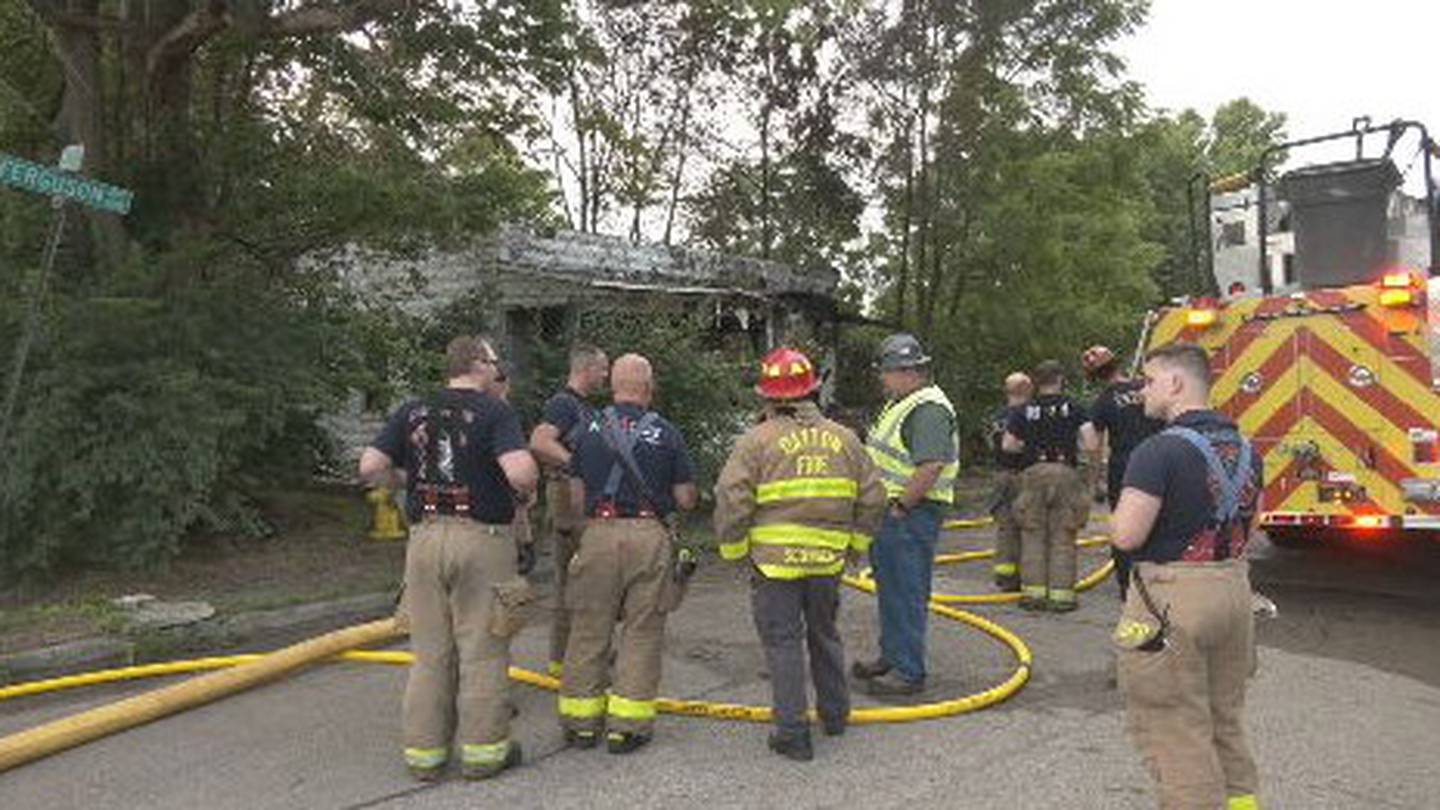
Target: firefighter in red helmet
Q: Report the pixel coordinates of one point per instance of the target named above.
(798, 495)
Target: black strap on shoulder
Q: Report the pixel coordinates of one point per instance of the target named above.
(622, 443)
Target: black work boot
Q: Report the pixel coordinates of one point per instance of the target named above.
(794, 746)
(893, 684)
(625, 742)
(833, 726)
(581, 739)
(475, 773)
(865, 670)
(1007, 583)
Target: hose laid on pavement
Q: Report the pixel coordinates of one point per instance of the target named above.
(245, 671)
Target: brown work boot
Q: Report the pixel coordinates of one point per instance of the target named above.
(892, 683)
(866, 670)
(475, 772)
(421, 773)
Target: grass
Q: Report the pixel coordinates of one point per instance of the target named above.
(318, 551)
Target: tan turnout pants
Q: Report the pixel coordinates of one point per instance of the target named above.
(1185, 703)
(457, 686)
(1007, 529)
(1051, 508)
(621, 572)
(565, 526)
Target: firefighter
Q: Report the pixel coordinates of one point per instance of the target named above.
(798, 495)
(1053, 503)
(1008, 466)
(1185, 638)
(914, 444)
(464, 466)
(635, 472)
(1120, 422)
(566, 416)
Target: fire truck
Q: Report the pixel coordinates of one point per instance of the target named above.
(1324, 332)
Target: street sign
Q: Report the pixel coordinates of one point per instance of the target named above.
(28, 176)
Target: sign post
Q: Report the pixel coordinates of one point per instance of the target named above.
(62, 184)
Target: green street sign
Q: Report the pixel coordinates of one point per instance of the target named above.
(29, 176)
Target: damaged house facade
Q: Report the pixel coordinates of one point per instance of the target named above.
(533, 286)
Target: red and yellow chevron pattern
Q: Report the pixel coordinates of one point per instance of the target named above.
(1340, 393)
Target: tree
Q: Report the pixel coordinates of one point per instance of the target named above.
(1240, 132)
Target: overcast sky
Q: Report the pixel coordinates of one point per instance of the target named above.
(1322, 63)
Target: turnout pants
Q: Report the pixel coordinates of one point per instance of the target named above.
(1184, 704)
(903, 556)
(620, 573)
(565, 526)
(794, 616)
(457, 686)
(1052, 506)
(1007, 529)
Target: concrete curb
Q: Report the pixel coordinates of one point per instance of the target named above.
(237, 630)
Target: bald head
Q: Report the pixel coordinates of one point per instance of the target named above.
(1018, 388)
(632, 379)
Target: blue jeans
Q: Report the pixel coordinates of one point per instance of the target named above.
(903, 556)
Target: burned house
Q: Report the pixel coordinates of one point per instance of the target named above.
(531, 288)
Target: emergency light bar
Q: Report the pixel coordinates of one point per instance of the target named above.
(1397, 289)
(1203, 313)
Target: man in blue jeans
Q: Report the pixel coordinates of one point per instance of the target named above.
(914, 445)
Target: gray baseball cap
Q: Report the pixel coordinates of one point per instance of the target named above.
(900, 351)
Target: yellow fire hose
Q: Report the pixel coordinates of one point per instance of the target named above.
(241, 672)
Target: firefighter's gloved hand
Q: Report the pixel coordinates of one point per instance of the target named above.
(525, 557)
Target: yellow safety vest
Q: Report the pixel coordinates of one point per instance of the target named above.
(887, 447)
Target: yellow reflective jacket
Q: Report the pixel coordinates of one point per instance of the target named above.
(797, 492)
(887, 446)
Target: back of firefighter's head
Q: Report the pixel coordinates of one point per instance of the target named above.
(904, 365)
(632, 380)
(1177, 379)
(1049, 377)
(471, 361)
(1100, 363)
(1018, 388)
(589, 368)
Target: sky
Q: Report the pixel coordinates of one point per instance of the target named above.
(1321, 63)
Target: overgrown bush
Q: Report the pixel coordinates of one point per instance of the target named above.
(154, 407)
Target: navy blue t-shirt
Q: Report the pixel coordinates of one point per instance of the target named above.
(1171, 469)
(660, 453)
(1050, 428)
(493, 431)
(567, 410)
(1120, 412)
(1004, 460)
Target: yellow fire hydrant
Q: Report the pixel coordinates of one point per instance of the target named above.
(388, 522)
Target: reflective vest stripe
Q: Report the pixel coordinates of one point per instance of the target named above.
(584, 708)
(485, 754)
(736, 550)
(627, 709)
(795, 572)
(793, 534)
(426, 757)
(887, 447)
(797, 488)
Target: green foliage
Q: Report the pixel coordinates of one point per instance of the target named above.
(703, 387)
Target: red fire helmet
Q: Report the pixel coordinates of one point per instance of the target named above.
(786, 374)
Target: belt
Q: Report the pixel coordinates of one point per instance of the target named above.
(606, 511)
